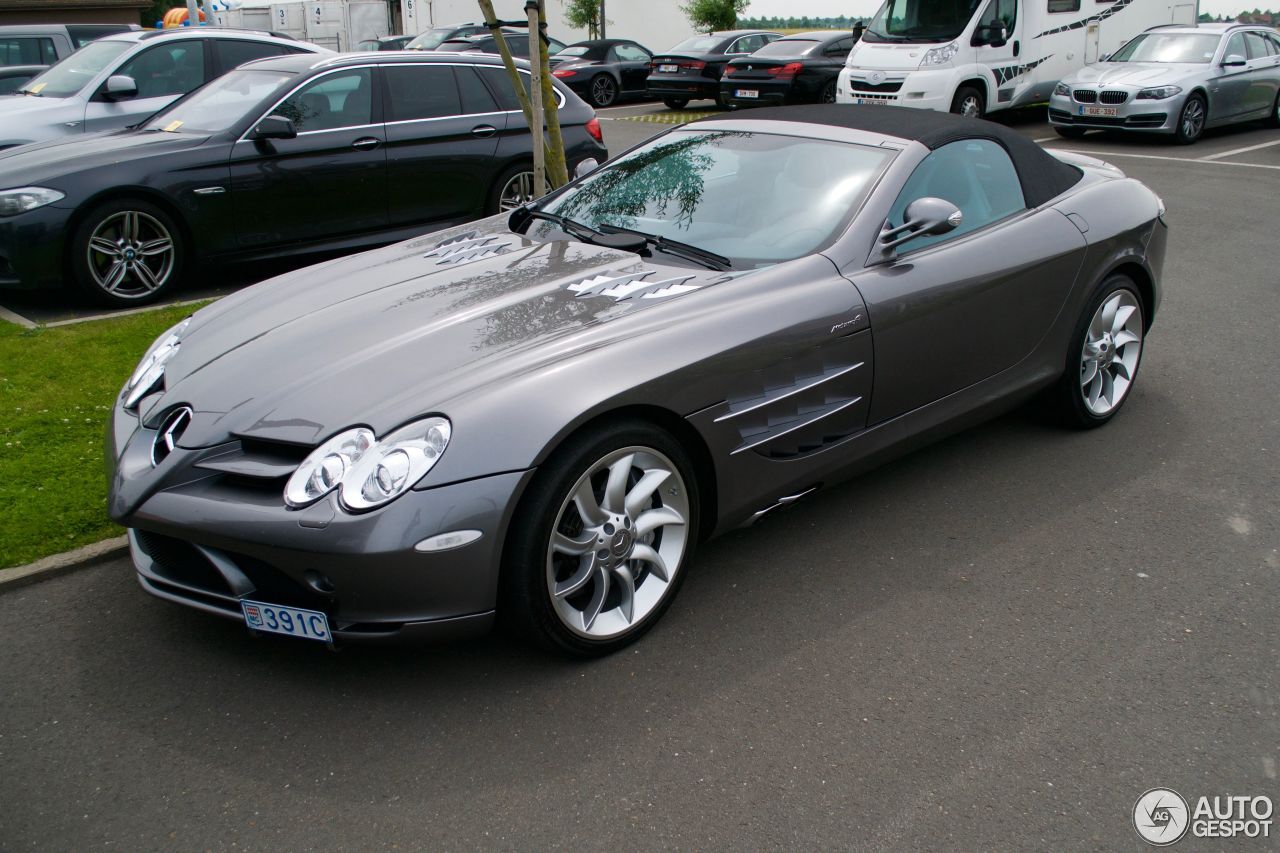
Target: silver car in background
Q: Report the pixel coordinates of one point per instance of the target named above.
(1175, 79)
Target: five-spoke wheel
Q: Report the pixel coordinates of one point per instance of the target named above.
(126, 253)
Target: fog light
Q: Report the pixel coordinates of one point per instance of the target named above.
(914, 96)
(448, 541)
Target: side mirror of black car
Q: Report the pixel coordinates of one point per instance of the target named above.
(1233, 60)
(924, 217)
(120, 87)
(274, 127)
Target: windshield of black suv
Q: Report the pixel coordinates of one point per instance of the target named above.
(431, 39)
(756, 198)
(222, 103)
(64, 79)
(1168, 47)
(920, 21)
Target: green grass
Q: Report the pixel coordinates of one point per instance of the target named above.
(56, 391)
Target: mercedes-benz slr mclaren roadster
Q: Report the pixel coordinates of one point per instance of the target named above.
(537, 417)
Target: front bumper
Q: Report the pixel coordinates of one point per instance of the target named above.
(208, 539)
(1140, 115)
(926, 90)
(31, 247)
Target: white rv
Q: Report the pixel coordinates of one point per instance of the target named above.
(977, 56)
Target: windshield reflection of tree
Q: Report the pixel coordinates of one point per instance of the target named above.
(646, 184)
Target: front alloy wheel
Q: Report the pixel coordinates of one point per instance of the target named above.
(1191, 120)
(130, 256)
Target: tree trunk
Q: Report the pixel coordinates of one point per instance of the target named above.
(557, 168)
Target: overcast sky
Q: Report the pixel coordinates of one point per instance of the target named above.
(867, 8)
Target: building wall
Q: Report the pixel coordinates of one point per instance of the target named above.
(72, 11)
(656, 24)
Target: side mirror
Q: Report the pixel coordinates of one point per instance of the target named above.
(586, 167)
(274, 127)
(1233, 60)
(120, 87)
(924, 217)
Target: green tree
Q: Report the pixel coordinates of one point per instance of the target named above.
(583, 14)
(714, 14)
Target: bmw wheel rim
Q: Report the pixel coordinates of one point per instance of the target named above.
(131, 255)
(619, 540)
(602, 91)
(519, 191)
(1112, 348)
(1192, 118)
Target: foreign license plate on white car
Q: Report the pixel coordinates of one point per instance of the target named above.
(1109, 112)
(879, 102)
(668, 69)
(294, 621)
(746, 93)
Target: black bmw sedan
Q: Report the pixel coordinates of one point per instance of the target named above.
(283, 157)
(795, 69)
(603, 70)
(691, 70)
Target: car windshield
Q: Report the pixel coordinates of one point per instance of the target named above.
(431, 39)
(1168, 47)
(756, 198)
(697, 44)
(920, 21)
(369, 44)
(69, 76)
(787, 47)
(220, 104)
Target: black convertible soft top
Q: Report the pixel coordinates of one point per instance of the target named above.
(1042, 175)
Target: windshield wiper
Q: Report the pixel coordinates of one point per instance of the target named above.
(29, 92)
(568, 226)
(675, 247)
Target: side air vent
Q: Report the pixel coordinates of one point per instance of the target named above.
(622, 286)
(466, 247)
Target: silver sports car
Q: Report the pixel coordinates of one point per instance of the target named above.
(537, 417)
(1175, 79)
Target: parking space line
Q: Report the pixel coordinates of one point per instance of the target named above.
(1203, 162)
(15, 318)
(1240, 150)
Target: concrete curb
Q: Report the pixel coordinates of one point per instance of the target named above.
(61, 564)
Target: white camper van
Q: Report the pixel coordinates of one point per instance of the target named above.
(977, 56)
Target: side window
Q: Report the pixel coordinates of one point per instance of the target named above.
(167, 69)
(1257, 45)
(1064, 5)
(840, 48)
(1236, 46)
(975, 175)
(631, 53)
(1000, 13)
(420, 91)
(344, 99)
(476, 97)
(233, 53)
(500, 85)
(1275, 44)
(27, 51)
(519, 46)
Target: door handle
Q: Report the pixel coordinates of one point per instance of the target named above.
(366, 143)
(484, 130)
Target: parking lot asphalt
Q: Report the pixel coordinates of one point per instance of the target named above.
(998, 642)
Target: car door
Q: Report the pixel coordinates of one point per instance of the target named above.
(1230, 89)
(162, 72)
(328, 182)
(442, 132)
(633, 65)
(1261, 95)
(954, 309)
(995, 53)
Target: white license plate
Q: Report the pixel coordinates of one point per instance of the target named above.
(668, 69)
(294, 621)
(1109, 112)
(746, 93)
(879, 102)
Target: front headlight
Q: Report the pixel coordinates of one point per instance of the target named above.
(1158, 93)
(940, 55)
(369, 472)
(13, 202)
(1062, 89)
(151, 368)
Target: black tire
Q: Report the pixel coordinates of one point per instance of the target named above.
(146, 273)
(967, 98)
(604, 90)
(1273, 120)
(500, 186)
(1067, 398)
(828, 93)
(525, 599)
(676, 103)
(1188, 130)
(1069, 132)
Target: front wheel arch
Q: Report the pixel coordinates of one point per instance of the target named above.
(161, 201)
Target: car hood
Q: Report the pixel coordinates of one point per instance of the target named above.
(25, 118)
(884, 56)
(386, 336)
(43, 163)
(1132, 73)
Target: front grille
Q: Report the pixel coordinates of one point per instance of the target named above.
(1085, 96)
(256, 463)
(1113, 96)
(864, 86)
(180, 562)
(867, 96)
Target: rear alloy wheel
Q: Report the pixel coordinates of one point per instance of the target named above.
(828, 94)
(676, 103)
(968, 102)
(1105, 355)
(599, 547)
(1191, 120)
(514, 188)
(603, 90)
(127, 252)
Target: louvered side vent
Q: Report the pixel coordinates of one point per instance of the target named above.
(623, 286)
(466, 247)
(257, 464)
(817, 409)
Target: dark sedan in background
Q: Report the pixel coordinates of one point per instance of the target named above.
(517, 43)
(603, 70)
(690, 71)
(283, 157)
(796, 69)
